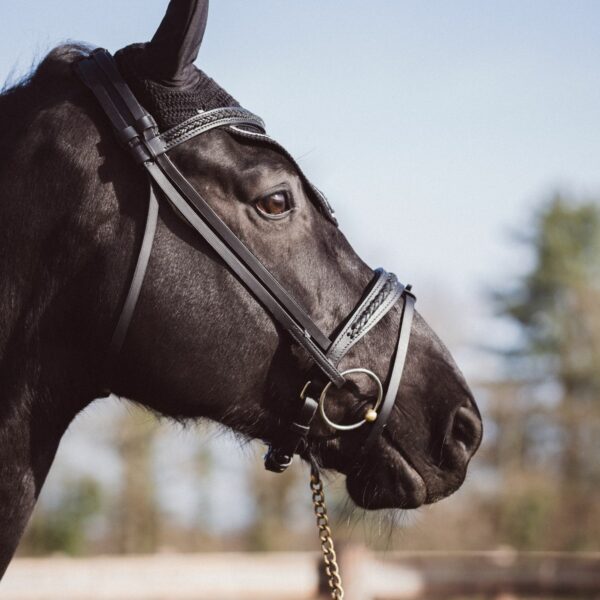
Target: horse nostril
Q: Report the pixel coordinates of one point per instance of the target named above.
(467, 428)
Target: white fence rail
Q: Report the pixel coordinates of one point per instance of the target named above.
(295, 576)
(232, 576)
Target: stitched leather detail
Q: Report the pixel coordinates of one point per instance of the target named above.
(342, 343)
(363, 318)
(384, 293)
(204, 121)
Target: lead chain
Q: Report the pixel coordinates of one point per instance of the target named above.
(329, 557)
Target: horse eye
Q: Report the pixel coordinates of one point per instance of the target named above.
(275, 204)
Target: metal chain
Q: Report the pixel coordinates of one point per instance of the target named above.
(329, 557)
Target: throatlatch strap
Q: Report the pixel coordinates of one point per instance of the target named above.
(137, 280)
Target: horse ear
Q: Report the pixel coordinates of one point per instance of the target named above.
(169, 57)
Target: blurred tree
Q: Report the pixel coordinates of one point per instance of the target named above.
(274, 507)
(64, 527)
(548, 425)
(136, 527)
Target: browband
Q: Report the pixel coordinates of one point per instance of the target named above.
(206, 120)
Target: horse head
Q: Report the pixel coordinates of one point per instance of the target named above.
(200, 344)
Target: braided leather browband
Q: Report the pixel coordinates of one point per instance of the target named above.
(137, 131)
(203, 121)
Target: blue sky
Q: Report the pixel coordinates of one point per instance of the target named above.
(435, 128)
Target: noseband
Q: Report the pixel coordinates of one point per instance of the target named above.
(137, 131)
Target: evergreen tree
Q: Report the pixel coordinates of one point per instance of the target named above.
(553, 417)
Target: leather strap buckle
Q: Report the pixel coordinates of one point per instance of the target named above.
(280, 456)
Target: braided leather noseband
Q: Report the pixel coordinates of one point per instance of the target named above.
(137, 131)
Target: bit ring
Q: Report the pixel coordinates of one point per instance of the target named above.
(358, 424)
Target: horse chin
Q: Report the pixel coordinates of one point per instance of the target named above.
(392, 483)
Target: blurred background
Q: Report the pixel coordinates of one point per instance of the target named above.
(460, 146)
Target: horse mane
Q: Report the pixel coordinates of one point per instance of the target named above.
(39, 88)
(47, 85)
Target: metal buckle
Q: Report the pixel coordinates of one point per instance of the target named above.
(304, 390)
(370, 415)
(277, 460)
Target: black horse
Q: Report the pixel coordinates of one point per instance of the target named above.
(73, 207)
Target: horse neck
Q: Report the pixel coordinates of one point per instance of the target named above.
(60, 281)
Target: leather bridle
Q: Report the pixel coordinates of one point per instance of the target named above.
(137, 131)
